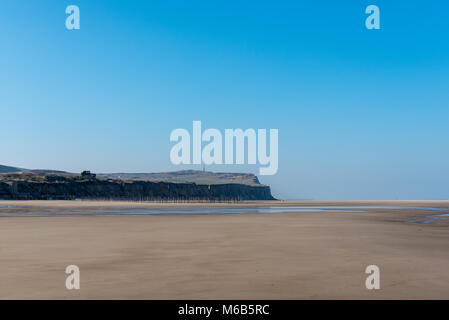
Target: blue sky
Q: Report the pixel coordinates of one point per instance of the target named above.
(362, 114)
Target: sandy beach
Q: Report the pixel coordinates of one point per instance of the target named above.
(289, 255)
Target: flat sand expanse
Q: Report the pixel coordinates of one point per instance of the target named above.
(228, 256)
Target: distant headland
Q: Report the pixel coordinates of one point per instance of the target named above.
(187, 185)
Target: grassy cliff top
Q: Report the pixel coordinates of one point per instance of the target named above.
(186, 176)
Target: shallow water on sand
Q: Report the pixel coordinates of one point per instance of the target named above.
(214, 210)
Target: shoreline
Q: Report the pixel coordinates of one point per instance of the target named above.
(262, 203)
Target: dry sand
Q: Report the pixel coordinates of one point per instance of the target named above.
(248, 256)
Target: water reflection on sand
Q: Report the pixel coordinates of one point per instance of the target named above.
(210, 210)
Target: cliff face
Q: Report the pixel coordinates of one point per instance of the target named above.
(68, 188)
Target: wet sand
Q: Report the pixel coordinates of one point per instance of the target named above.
(227, 256)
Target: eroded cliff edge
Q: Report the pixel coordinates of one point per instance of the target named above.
(39, 186)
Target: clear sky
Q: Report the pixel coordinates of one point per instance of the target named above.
(362, 114)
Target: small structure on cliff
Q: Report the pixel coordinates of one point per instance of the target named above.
(88, 175)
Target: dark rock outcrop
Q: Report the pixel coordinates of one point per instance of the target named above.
(59, 187)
